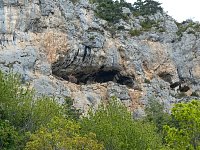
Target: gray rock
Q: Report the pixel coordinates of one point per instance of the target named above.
(31, 43)
(139, 113)
(93, 39)
(119, 91)
(126, 10)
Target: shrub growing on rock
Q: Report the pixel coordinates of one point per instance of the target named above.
(186, 133)
(114, 126)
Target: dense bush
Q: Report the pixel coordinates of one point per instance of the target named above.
(186, 133)
(62, 134)
(21, 108)
(9, 137)
(24, 112)
(43, 120)
(109, 10)
(113, 125)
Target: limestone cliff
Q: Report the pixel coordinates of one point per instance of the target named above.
(62, 49)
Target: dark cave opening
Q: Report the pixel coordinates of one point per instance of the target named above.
(181, 86)
(167, 77)
(101, 76)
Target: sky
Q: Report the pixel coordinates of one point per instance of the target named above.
(180, 9)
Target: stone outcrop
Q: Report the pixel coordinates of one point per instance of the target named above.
(62, 49)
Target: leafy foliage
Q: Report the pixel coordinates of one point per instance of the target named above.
(113, 125)
(186, 133)
(9, 137)
(147, 7)
(155, 113)
(14, 99)
(18, 105)
(43, 120)
(147, 25)
(109, 10)
(183, 27)
(135, 32)
(70, 111)
(24, 112)
(112, 10)
(62, 134)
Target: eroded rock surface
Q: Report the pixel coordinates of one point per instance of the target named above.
(62, 49)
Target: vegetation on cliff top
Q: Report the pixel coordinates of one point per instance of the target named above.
(112, 10)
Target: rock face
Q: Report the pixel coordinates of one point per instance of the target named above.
(62, 49)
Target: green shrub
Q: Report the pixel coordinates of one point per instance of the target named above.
(186, 133)
(155, 113)
(24, 112)
(161, 30)
(62, 134)
(121, 28)
(182, 27)
(109, 10)
(9, 137)
(19, 105)
(135, 32)
(147, 81)
(70, 111)
(148, 24)
(42, 111)
(114, 126)
(112, 10)
(14, 99)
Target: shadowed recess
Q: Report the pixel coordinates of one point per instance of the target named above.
(100, 76)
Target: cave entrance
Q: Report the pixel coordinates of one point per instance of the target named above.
(101, 76)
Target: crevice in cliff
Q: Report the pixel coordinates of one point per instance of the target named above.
(180, 85)
(100, 76)
(167, 77)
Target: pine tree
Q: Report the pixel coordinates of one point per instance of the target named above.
(147, 7)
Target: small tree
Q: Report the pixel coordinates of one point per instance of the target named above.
(147, 7)
(152, 7)
(186, 133)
